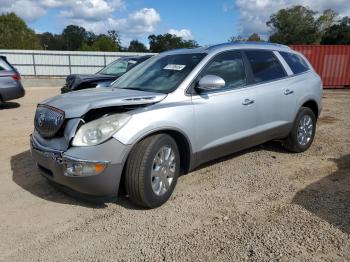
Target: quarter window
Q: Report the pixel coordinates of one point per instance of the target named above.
(296, 63)
(265, 66)
(229, 66)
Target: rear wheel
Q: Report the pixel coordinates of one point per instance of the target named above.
(303, 131)
(152, 170)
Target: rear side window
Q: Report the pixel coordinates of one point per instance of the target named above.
(265, 66)
(296, 63)
(229, 66)
(4, 66)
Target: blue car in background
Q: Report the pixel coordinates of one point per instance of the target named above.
(104, 77)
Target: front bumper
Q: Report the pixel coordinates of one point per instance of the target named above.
(51, 164)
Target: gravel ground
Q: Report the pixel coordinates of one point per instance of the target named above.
(261, 204)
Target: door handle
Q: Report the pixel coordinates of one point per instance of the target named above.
(288, 92)
(248, 102)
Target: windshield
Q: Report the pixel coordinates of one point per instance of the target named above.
(160, 74)
(118, 67)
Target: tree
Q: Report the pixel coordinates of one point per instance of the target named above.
(90, 38)
(49, 41)
(14, 33)
(254, 37)
(45, 40)
(115, 37)
(326, 20)
(295, 25)
(104, 43)
(136, 46)
(73, 37)
(160, 43)
(338, 34)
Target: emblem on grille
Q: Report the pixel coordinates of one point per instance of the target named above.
(48, 120)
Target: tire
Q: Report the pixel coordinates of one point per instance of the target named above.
(295, 142)
(142, 183)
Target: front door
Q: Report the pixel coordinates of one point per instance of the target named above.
(225, 118)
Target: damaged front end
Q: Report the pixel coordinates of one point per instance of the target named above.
(72, 141)
(58, 120)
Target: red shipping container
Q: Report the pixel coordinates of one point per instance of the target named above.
(331, 62)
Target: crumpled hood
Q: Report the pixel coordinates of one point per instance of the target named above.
(78, 103)
(74, 81)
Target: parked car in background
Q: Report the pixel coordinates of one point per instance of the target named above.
(10, 82)
(104, 77)
(172, 113)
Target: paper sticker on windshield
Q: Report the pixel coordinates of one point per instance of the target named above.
(132, 62)
(174, 67)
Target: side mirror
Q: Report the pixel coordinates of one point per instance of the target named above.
(210, 82)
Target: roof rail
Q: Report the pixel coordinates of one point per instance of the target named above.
(179, 49)
(246, 43)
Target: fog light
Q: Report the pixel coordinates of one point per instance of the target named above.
(81, 169)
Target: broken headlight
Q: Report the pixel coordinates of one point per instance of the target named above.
(99, 130)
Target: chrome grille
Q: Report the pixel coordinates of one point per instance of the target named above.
(48, 120)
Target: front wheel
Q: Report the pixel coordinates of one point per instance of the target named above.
(303, 131)
(152, 170)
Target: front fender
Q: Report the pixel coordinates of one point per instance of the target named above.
(156, 118)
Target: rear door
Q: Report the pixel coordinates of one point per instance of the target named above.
(225, 118)
(275, 97)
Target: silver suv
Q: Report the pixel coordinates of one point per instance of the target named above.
(172, 113)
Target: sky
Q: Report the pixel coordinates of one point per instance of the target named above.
(206, 21)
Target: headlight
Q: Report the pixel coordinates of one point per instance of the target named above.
(99, 130)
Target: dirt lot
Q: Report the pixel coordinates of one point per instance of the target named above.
(260, 204)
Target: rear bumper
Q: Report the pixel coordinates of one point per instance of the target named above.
(51, 164)
(13, 91)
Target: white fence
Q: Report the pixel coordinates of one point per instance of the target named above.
(60, 63)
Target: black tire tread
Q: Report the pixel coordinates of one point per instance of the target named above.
(135, 169)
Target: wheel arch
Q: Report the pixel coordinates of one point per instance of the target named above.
(183, 143)
(312, 104)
